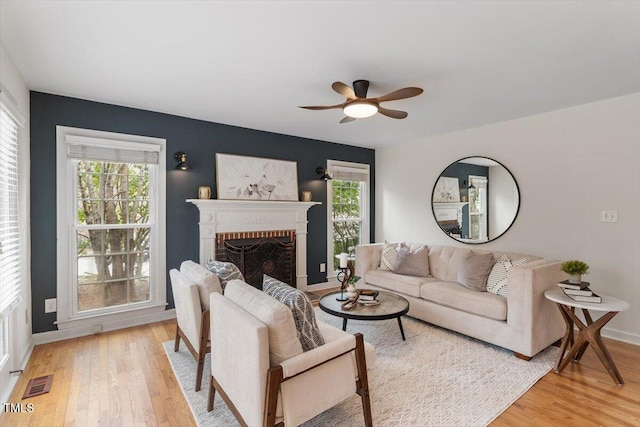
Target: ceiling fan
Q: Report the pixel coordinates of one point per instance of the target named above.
(358, 106)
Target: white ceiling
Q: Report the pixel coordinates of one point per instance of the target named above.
(251, 64)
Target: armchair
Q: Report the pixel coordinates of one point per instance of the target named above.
(260, 371)
(191, 288)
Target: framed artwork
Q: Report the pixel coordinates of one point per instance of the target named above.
(255, 178)
(446, 190)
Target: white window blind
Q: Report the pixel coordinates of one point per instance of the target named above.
(88, 148)
(10, 245)
(349, 174)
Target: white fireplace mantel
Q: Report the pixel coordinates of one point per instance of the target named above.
(228, 216)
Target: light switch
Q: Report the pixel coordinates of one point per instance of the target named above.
(609, 216)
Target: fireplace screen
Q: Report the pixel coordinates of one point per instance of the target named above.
(274, 256)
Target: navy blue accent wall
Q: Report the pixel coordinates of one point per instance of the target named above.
(462, 172)
(201, 140)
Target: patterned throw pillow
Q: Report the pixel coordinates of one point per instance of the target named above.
(301, 308)
(225, 271)
(389, 257)
(497, 281)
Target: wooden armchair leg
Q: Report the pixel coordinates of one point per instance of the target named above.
(176, 346)
(274, 379)
(363, 381)
(212, 395)
(199, 372)
(203, 349)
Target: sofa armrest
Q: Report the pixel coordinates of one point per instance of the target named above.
(528, 311)
(312, 358)
(368, 257)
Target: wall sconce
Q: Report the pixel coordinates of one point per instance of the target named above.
(322, 171)
(469, 185)
(181, 158)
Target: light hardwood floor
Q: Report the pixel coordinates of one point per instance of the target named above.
(123, 378)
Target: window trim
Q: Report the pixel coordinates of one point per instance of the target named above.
(365, 209)
(67, 316)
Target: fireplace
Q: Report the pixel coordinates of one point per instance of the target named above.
(259, 253)
(222, 220)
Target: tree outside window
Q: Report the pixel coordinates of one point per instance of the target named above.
(113, 231)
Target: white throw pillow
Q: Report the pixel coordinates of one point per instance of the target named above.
(389, 257)
(497, 281)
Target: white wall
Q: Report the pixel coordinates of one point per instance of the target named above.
(20, 320)
(569, 164)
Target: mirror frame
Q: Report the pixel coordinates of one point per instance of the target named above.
(514, 217)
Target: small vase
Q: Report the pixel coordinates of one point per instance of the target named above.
(351, 290)
(575, 278)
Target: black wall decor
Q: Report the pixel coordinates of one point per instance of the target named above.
(201, 140)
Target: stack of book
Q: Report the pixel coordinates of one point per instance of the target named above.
(579, 291)
(368, 297)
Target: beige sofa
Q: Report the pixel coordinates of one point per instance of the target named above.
(524, 322)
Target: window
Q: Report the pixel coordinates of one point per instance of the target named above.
(478, 208)
(110, 223)
(348, 209)
(10, 237)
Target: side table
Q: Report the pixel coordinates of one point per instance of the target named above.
(587, 334)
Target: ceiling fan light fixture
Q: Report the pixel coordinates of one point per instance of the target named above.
(360, 109)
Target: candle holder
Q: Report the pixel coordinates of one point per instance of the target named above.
(343, 277)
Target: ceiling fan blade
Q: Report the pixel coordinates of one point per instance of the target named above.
(347, 119)
(344, 90)
(394, 114)
(407, 92)
(321, 107)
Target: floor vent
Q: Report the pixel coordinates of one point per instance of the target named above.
(37, 386)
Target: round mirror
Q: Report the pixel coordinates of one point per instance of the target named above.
(475, 200)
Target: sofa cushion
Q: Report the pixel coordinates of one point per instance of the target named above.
(451, 294)
(283, 336)
(390, 255)
(473, 272)
(413, 262)
(225, 271)
(408, 285)
(497, 281)
(301, 308)
(445, 261)
(207, 281)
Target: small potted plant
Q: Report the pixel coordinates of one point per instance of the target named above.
(575, 269)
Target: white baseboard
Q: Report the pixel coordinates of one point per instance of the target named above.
(322, 286)
(82, 331)
(623, 336)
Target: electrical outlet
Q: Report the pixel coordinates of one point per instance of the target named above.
(609, 216)
(323, 267)
(50, 305)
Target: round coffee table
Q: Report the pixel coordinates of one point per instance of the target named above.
(391, 306)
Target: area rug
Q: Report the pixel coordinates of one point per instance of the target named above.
(434, 378)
